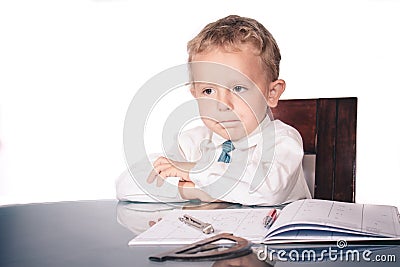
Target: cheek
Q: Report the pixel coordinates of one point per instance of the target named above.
(260, 110)
(256, 105)
(207, 122)
(252, 113)
(210, 124)
(205, 106)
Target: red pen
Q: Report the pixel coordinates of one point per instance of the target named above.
(270, 218)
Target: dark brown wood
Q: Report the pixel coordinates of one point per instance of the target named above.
(328, 129)
(326, 141)
(301, 114)
(345, 164)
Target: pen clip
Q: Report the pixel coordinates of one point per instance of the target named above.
(196, 223)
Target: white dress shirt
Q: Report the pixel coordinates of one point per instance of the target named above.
(265, 167)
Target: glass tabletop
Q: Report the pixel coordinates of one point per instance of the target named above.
(96, 233)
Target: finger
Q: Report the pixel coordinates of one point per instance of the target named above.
(157, 161)
(152, 176)
(164, 174)
(171, 171)
(160, 180)
(162, 167)
(160, 160)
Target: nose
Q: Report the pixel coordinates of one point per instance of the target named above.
(224, 100)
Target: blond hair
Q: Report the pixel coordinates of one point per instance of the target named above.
(233, 31)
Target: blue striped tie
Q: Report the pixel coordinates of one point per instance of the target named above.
(227, 147)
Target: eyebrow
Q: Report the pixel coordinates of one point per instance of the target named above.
(205, 84)
(230, 86)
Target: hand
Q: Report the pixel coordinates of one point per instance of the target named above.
(164, 167)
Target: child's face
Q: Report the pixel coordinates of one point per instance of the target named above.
(233, 103)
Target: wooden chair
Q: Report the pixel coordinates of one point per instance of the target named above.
(328, 129)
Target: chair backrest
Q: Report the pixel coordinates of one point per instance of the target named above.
(328, 129)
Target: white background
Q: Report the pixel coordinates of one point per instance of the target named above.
(69, 69)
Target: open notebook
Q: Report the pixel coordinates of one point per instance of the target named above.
(306, 220)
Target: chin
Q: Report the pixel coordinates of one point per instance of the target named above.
(233, 135)
(236, 137)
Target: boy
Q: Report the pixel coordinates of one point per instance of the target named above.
(240, 154)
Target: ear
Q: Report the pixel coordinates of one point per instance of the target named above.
(275, 90)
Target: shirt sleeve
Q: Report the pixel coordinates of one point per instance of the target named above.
(131, 185)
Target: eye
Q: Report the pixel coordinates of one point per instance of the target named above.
(239, 89)
(208, 91)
